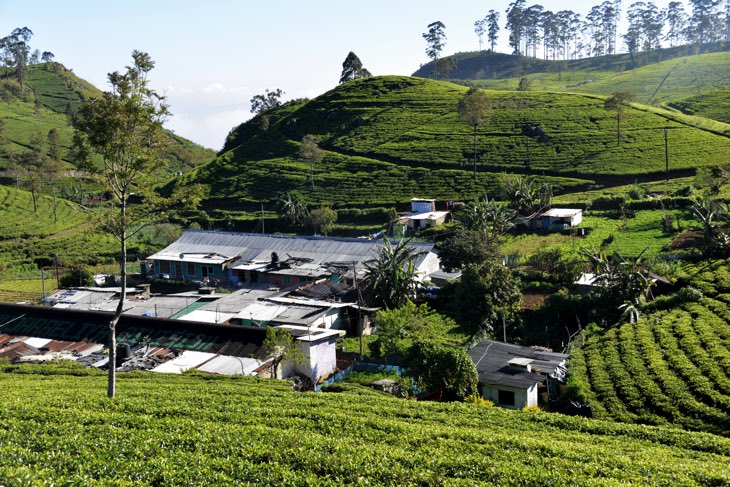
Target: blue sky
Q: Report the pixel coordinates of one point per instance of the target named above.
(213, 56)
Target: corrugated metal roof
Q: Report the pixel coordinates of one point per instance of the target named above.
(247, 248)
(230, 365)
(187, 360)
(492, 361)
(562, 212)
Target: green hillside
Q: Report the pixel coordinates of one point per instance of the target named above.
(656, 83)
(28, 236)
(202, 430)
(486, 65)
(712, 104)
(51, 91)
(671, 367)
(388, 139)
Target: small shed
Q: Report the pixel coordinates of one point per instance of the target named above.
(512, 376)
(560, 218)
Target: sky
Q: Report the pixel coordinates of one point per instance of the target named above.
(212, 56)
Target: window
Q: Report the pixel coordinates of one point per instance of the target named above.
(207, 270)
(164, 267)
(287, 280)
(191, 269)
(506, 398)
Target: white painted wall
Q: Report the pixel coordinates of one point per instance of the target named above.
(523, 397)
(322, 360)
(431, 263)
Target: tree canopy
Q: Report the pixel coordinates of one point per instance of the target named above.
(352, 68)
(269, 100)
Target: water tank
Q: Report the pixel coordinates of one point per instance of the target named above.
(124, 353)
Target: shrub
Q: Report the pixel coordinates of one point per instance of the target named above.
(478, 400)
(77, 276)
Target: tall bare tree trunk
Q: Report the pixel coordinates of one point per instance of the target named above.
(475, 151)
(112, 380)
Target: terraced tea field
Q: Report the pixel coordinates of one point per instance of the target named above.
(200, 430)
(388, 139)
(669, 368)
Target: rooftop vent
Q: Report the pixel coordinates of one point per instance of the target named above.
(521, 363)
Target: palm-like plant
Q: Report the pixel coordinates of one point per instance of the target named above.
(489, 217)
(714, 216)
(528, 196)
(391, 277)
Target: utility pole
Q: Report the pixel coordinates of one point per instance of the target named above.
(262, 219)
(666, 151)
(43, 286)
(527, 147)
(359, 308)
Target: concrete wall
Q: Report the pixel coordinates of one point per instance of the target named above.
(430, 264)
(179, 270)
(322, 358)
(523, 397)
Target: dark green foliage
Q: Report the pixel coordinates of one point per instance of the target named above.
(77, 276)
(487, 296)
(320, 220)
(448, 369)
(352, 68)
(556, 266)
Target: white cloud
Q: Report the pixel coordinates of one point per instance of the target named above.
(208, 127)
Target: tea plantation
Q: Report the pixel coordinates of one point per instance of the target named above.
(198, 430)
(388, 139)
(671, 367)
(51, 90)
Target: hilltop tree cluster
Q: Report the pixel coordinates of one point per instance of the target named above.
(565, 34)
(16, 53)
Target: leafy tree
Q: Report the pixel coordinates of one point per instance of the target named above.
(525, 84)
(466, 246)
(54, 144)
(400, 328)
(676, 19)
(47, 56)
(53, 167)
(450, 370)
(516, 25)
(704, 23)
(269, 100)
(617, 102)
(444, 67)
(310, 152)
(292, 208)
(492, 20)
(30, 164)
(16, 50)
(321, 220)
(556, 266)
(352, 68)
(281, 346)
(77, 276)
(123, 127)
(479, 30)
(474, 109)
(487, 295)
(436, 40)
(391, 278)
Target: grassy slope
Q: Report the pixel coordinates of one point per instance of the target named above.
(27, 236)
(485, 65)
(712, 104)
(56, 87)
(671, 366)
(670, 80)
(391, 138)
(195, 430)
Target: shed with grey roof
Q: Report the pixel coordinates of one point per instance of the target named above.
(511, 375)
